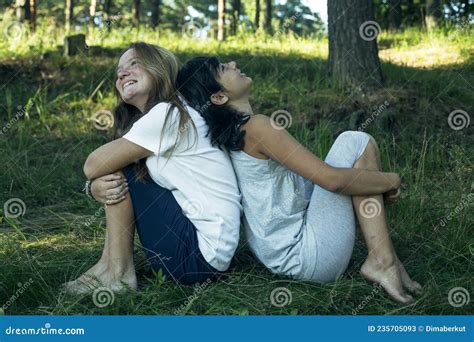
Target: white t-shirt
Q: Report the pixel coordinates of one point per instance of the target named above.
(199, 175)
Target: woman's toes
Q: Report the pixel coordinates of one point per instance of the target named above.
(415, 287)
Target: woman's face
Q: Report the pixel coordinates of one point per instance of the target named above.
(236, 84)
(133, 83)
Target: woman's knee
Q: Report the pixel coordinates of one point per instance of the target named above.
(357, 138)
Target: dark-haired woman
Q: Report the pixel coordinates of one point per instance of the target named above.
(188, 214)
(299, 210)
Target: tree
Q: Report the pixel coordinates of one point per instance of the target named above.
(298, 18)
(394, 14)
(220, 19)
(353, 53)
(34, 14)
(107, 8)
(267, 24)
(92, 10)
(26, 10)
(257, 14)
(155, 13)
(136, 12)
(69, 14)
(23, 11)
(433, 14)
(236, 7)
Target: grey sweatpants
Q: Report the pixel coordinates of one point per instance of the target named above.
(329, 235)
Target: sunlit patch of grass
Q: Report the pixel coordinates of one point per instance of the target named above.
(424, 55)
(414, 48)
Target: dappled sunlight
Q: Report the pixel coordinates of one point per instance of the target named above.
(424, 55)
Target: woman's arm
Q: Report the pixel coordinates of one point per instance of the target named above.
(113, 157)
(280, 146)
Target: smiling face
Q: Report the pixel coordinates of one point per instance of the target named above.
(235, 83)
(133, 83)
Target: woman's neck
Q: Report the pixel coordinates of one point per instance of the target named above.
(242, 106)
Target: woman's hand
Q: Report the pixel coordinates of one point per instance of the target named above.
(109, 189)
(393, 195)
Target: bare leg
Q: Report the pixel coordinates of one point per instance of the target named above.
(382, 264)
(115, 269)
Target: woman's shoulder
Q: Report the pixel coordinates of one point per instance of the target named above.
(159, 107)
(256, 124)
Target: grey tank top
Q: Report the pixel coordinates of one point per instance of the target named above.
(274, 201)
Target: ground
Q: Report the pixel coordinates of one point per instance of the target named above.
(60, 233)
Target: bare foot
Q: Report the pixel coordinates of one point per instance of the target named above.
(410, 285)
(102, 275)
(388, 276)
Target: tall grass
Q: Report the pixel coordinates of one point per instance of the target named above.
(45, 146)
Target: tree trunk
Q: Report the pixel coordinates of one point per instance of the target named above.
(433, 14)
(257, 14)
(235, 16)
(92, 10)
(267, 24)
(394, 14)
(220, 19)
(353, 53)
(23, 12)
(34, 12)
(136, 13)
(155, 13)
(69, 14)
(107, 7)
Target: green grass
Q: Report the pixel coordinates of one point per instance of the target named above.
(43, 152)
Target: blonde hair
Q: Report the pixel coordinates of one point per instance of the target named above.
(162, 66)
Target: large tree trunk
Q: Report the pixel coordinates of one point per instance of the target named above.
(433, 14)
(353, 53)
(267, 25)
(69, 14)
(394, 14)
(220, 19)
(155, 13)
(235, 15)
(136, 13)
(257, 14)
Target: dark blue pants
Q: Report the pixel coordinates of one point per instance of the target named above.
(168, 237)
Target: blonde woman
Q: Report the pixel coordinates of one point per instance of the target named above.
(182, 195)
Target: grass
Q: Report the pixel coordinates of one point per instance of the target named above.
(45, 146)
